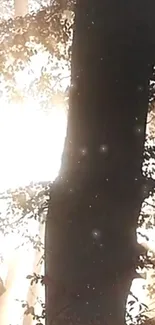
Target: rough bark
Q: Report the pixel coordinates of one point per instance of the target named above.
(95, 202)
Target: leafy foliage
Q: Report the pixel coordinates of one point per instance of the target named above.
(49, 27)
(141, 316)
(45, 35)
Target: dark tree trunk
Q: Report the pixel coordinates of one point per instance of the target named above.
(95, 202)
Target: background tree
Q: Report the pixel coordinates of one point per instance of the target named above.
(21, 7)
(96, 200)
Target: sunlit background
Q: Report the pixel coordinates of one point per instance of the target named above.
(32, 133)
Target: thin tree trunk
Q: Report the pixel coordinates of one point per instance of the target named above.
(21, 7)
(95, 202)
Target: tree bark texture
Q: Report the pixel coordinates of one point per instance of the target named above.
(96, 200)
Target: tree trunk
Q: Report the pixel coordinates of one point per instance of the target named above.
(21, 7)
(95, 202)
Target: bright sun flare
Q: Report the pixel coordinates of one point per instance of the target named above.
(31, 139)
(32, 142)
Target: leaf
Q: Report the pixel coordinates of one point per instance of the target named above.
(29, 310)
(132, 302)
(131, 309)
(145, 306)
(29, 277)
(24, 305)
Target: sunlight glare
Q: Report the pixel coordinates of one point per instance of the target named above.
(31, 144)
(31, 141)
(31, 138)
